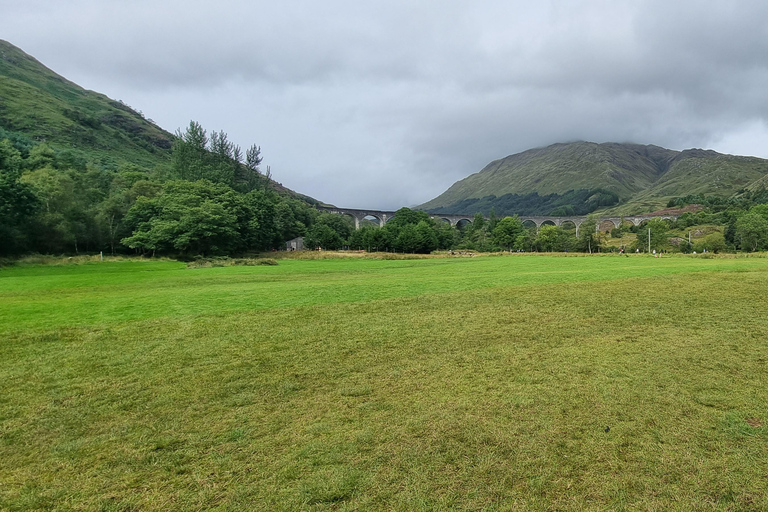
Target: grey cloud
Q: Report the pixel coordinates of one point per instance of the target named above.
(390, 102)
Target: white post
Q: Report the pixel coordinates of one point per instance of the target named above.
(649, 240)
(101, 255)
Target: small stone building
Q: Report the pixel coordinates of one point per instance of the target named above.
(295, 244)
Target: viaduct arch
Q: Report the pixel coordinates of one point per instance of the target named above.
(636, 220)
(384, 216)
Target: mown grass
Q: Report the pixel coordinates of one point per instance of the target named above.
(482, 383)
(129, 290)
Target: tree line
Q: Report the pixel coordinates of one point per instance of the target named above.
(212, 198)
(413, 231)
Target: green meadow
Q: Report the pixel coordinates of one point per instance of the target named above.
(516, 382)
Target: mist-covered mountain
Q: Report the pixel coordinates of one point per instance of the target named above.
(580, 177)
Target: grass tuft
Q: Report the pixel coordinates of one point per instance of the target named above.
(330, 485)
(230, 262)
(356, 391)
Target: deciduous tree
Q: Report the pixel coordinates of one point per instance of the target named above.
(752, 232)
(506, 232)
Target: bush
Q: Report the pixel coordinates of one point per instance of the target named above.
(227, 262)
(714, 242)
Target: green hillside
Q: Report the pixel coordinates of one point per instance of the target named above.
(48, 108)
(759, 185)
(580, 177)
(80, 172)
(45, 107)
(699, 172)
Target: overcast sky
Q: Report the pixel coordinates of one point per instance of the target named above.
(382, 104)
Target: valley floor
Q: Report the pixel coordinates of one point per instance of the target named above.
(521, 382)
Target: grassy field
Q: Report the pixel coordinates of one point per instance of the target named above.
(360, 384)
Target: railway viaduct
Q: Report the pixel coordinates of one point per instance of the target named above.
(384, 216)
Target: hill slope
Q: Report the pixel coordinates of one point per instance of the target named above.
(48, 108)
(579, 177)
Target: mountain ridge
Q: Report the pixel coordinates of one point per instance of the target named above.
(641, 178)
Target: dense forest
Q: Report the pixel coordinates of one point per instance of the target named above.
(210, 199)
(214, 199)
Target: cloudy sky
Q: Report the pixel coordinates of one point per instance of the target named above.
(382, 104)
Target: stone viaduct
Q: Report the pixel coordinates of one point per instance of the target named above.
(384, 216)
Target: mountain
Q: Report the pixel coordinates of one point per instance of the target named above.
(46, 107)
(580, 177)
